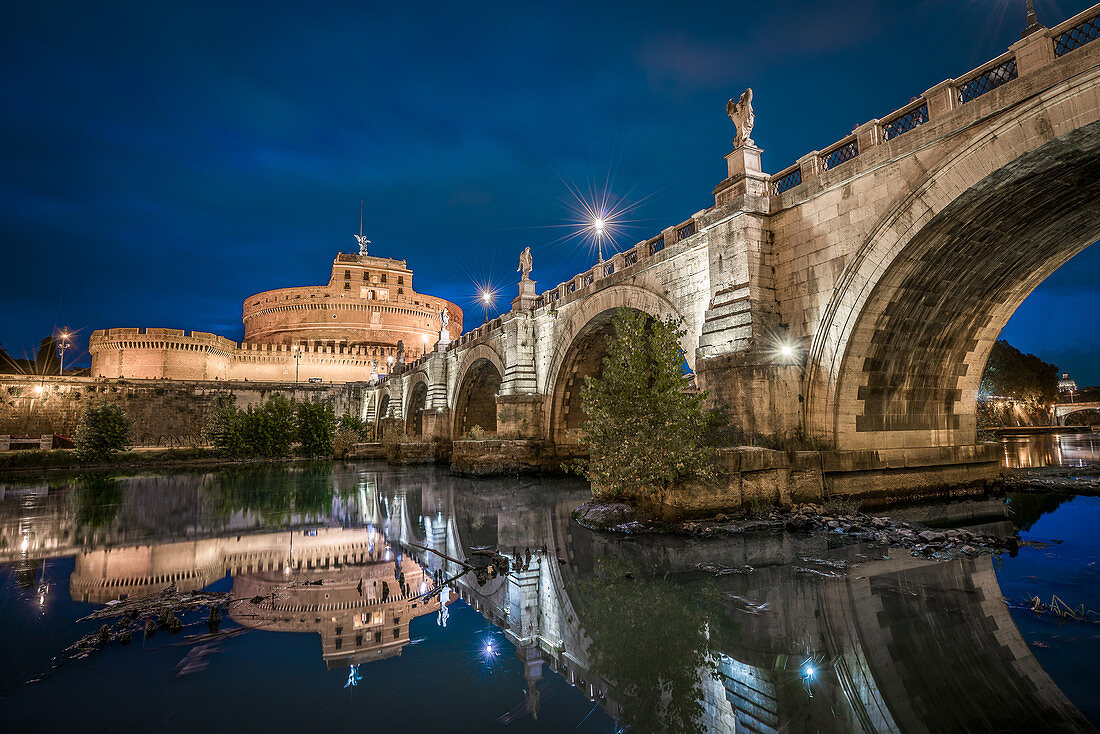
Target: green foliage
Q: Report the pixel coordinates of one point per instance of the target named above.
(477, 433)
(645, 431)
(316, 424)
(654, 640)
(264, 431)
(102, 432)
(350, 422)
(343, 443)
(1028, 383)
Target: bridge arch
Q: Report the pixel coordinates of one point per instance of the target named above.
(478, 378)
(580, 349)
(899, 354)
(415, 402)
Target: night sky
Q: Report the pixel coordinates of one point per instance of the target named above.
(163, 161)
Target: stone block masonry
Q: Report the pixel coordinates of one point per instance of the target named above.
(164, 412)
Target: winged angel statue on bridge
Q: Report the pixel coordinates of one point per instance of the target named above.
(740, 111)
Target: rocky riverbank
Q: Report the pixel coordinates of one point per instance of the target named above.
(1061, 479)
(918, 539)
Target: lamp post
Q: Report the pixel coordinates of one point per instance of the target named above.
(62, 344)
(486, 298)
(599, 225)
(389, 365)
(297, 360)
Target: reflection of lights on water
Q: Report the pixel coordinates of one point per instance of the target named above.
(25, 544)
(353, 676)
(423, 586)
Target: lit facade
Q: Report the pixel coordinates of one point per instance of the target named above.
(339, 332)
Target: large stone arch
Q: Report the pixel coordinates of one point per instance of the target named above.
(899, 354)
(416, 400)
(579, 350)
(478, 378)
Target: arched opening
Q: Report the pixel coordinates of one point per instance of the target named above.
(477, 399)
(584, 358)
(383, 411)
(414, 413)
(913, 359)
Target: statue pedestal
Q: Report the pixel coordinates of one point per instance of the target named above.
(525, 301)
(745, 174)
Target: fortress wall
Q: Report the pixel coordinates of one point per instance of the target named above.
(164, 412)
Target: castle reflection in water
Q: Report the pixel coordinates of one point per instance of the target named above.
(895, 643)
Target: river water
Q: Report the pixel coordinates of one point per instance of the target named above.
(329, 629)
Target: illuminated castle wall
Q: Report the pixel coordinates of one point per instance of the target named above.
(337, 332)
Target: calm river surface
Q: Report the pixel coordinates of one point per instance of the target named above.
(328, 630)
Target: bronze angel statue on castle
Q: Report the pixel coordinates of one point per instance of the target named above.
(740, 111)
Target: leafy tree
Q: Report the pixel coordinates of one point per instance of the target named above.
(262, 431)
(269, 429)
(224, 425)
(1027, 381)
(102, 432)
(645, 430)
(316, 423)
(351, 422)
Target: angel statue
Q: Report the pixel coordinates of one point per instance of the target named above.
(444, 319)
(740, 112)
(525, 264)
(363, 242)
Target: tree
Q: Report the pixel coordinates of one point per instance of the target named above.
(644, 429)
(263, 431)
(316, 422)
(103, 431)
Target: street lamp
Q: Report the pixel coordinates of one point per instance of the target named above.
(297, 360)
(598, 226)
(389, 363)
(486, 297)
(62, 344)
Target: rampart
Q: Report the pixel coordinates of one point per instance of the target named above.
(164, 412)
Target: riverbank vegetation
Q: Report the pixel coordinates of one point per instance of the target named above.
(270, 429)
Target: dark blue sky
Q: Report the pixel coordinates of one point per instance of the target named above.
(163, 161)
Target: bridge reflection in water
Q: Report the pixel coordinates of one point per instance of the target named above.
(814, 638)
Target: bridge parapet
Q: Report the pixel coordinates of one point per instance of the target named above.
(1032, 53)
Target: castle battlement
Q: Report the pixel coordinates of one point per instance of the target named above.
(338, 332)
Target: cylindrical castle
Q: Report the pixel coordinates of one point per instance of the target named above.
(339, 332)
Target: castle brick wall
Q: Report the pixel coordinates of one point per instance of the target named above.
(164, 412)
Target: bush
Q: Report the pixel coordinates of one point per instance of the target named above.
(264, 431)
(103, 431)
(477, 433)
(344, 443)
(645, 431)
(350, 422)
(316, 423)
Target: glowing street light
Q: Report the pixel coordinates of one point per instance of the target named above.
(599, 226)
(62, 344)
(487, 296)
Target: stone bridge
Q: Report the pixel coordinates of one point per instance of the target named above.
(847, 303)
(1064, 410)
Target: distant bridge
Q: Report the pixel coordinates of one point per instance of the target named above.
(887, 263)
(1063, 410)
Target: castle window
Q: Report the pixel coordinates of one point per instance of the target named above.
(347, 286)
(401, 280)
(366, 275)
(383, 277)
(400, 291)
(347, 275)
